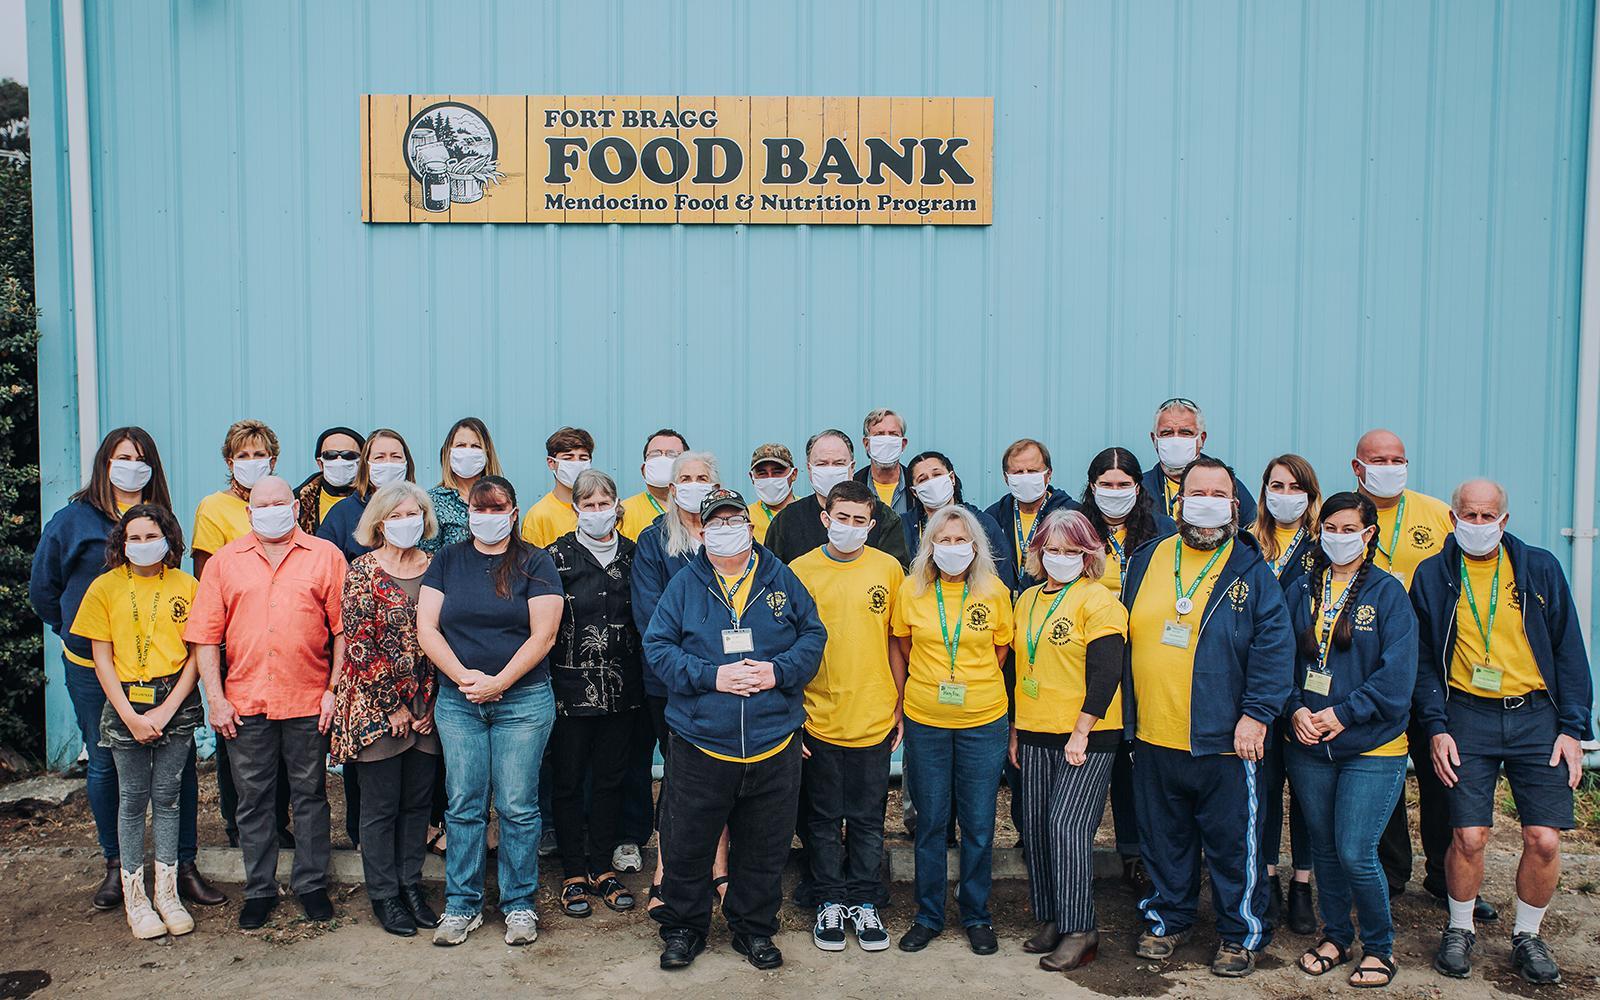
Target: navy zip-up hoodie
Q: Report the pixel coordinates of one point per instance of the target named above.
(1152, 484)
(1372, 680)
(1005, 566)
(653, 569)
(1244, 651)
(71, 553)
(1300, 562)
(1004, 514)
(340, 526)
(684, 643)
(1548, 618)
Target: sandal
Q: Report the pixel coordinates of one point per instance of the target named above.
(612, 892)
(436, 841)
(575, 897)
(1387, 970)
(653, 899)
(1324, 964)
(719, 885)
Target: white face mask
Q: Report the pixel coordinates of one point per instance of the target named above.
(248, 471)
(597, 524)
(468, 462)
(489, 527)
(129, 475)
(567, 469)
(825, 477)
(772, 490)
(381, 474)
(403, 532)
(1026, 486)
(953, 559)
(936, 492)
(1384, 480)
(146, 553)
(847, 537)
(272, 522)
(1063, 569)
(1206, 512)
(1480, 539)
(885, 449)
(689, 496)
(1343, 548)
(658, 470)
(339, 471)
(1286, 508)
(1176, 452)
(1115, 503)
(727, 539)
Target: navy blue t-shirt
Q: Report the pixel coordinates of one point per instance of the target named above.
(483, 629)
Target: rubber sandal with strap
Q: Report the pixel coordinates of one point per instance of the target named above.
(718, 883)
(1324, 964)
(612, 892)
(1387, 971)
(575, 897)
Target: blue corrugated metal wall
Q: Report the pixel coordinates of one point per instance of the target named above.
(1314, 217)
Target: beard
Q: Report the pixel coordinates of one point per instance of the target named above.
(1206, 539)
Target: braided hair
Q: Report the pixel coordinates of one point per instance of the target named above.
(1321, 566)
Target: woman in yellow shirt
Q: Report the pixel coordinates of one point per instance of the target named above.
(1070, 638)
(251, 451)
(953, 624)
(133, 616)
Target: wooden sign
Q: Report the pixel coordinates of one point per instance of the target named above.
(817, 160)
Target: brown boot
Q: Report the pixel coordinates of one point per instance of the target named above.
(193, 887)
(1074, 951)
(109, 895)
(1043, 940)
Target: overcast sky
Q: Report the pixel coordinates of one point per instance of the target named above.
(13, 40)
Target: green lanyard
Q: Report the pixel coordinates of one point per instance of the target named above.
(729, 593)
(654, 502)
(952, 646)
(1034, 637)
(1277, 565)
(1185, 602)
(1016, 527)
(767, 510)
(141, 649)
(1330, 615)
(1394, 536)
(1494, 601)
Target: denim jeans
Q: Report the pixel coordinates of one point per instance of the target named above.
(148, 780)
(1347, 804)
(88, 701)
(497, 745)
(968, 763)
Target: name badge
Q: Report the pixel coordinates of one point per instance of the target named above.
(1487, 678)
(1030, 687)
(738, 640)
(952, 693)
(1318, 682)
(1175, 634)
(140, 694)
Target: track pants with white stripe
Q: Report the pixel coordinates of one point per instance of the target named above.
(1188, 804)
(1061, 806)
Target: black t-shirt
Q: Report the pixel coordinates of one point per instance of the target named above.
(483, 629)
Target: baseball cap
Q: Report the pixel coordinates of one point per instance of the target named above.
(772, 452)
(718, 499)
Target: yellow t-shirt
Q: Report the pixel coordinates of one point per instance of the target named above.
(127, 610)
(1163, 675)
(1397, 747)
(850, 702)
(1508, 644)
(1427, 522)
(885, 491)
(1111, 579)
(760, 521)
(638, 511)
(548, 520)
(325, 502)
(1169, 493)
(1020, 540)
(219, 519)
(1087, 612)
(985, 623)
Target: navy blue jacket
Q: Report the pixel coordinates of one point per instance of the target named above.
(653, 569)
(71, 553)
(1152, 483)
(1244, 651)
(339, 527)
(999, 548)
(1549, 620)
(1003, 512)
(902, 500)
(1372, 680)
(684, 643)
(1300, 562)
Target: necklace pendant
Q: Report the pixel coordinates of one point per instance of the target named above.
(1184, 606)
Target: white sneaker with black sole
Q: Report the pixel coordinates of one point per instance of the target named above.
(870, 934)
(828, 934)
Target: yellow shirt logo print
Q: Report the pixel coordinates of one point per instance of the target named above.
(877, 599)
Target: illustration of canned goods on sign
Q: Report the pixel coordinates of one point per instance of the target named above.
(452, 151)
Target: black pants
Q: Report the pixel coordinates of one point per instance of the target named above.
(636, 820)
(846, 787)
(228, 795)
(1433, 817)
(1124, 813)
(394, 819)
(592, 751)
(756, 802)
(258, 755)
(352, 805)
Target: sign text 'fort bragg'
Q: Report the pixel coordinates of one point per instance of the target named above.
(818, 160)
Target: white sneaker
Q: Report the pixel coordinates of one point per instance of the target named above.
(145, 923)
(173, 915)
(522, 927)
(828, 932)
(626, 858)
(454, 927)
(870, 934)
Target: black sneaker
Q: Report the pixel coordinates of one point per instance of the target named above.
(1455, 953)
(870, 934)
(828, 932)
(1531, 957)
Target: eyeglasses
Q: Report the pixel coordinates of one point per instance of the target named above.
(331, 456)
(731, 521)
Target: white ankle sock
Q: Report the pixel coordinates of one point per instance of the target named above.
(1461, 913)
(1528, 918)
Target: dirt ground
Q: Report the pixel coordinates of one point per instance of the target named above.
(48, 868)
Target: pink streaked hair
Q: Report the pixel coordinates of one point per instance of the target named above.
(1071, 529)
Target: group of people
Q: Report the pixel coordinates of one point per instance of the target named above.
(457, 652)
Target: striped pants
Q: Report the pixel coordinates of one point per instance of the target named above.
(1061, 808)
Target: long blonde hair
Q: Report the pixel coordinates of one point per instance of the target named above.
(980, 575)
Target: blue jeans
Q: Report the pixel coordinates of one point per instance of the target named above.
(965, 763)
(88, 701)
(1347, 804)
(497, 745)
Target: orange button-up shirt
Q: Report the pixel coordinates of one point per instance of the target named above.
(277, 623)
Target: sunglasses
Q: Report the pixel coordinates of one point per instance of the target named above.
(331, 456)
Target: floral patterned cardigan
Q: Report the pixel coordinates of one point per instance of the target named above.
(384, 667)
